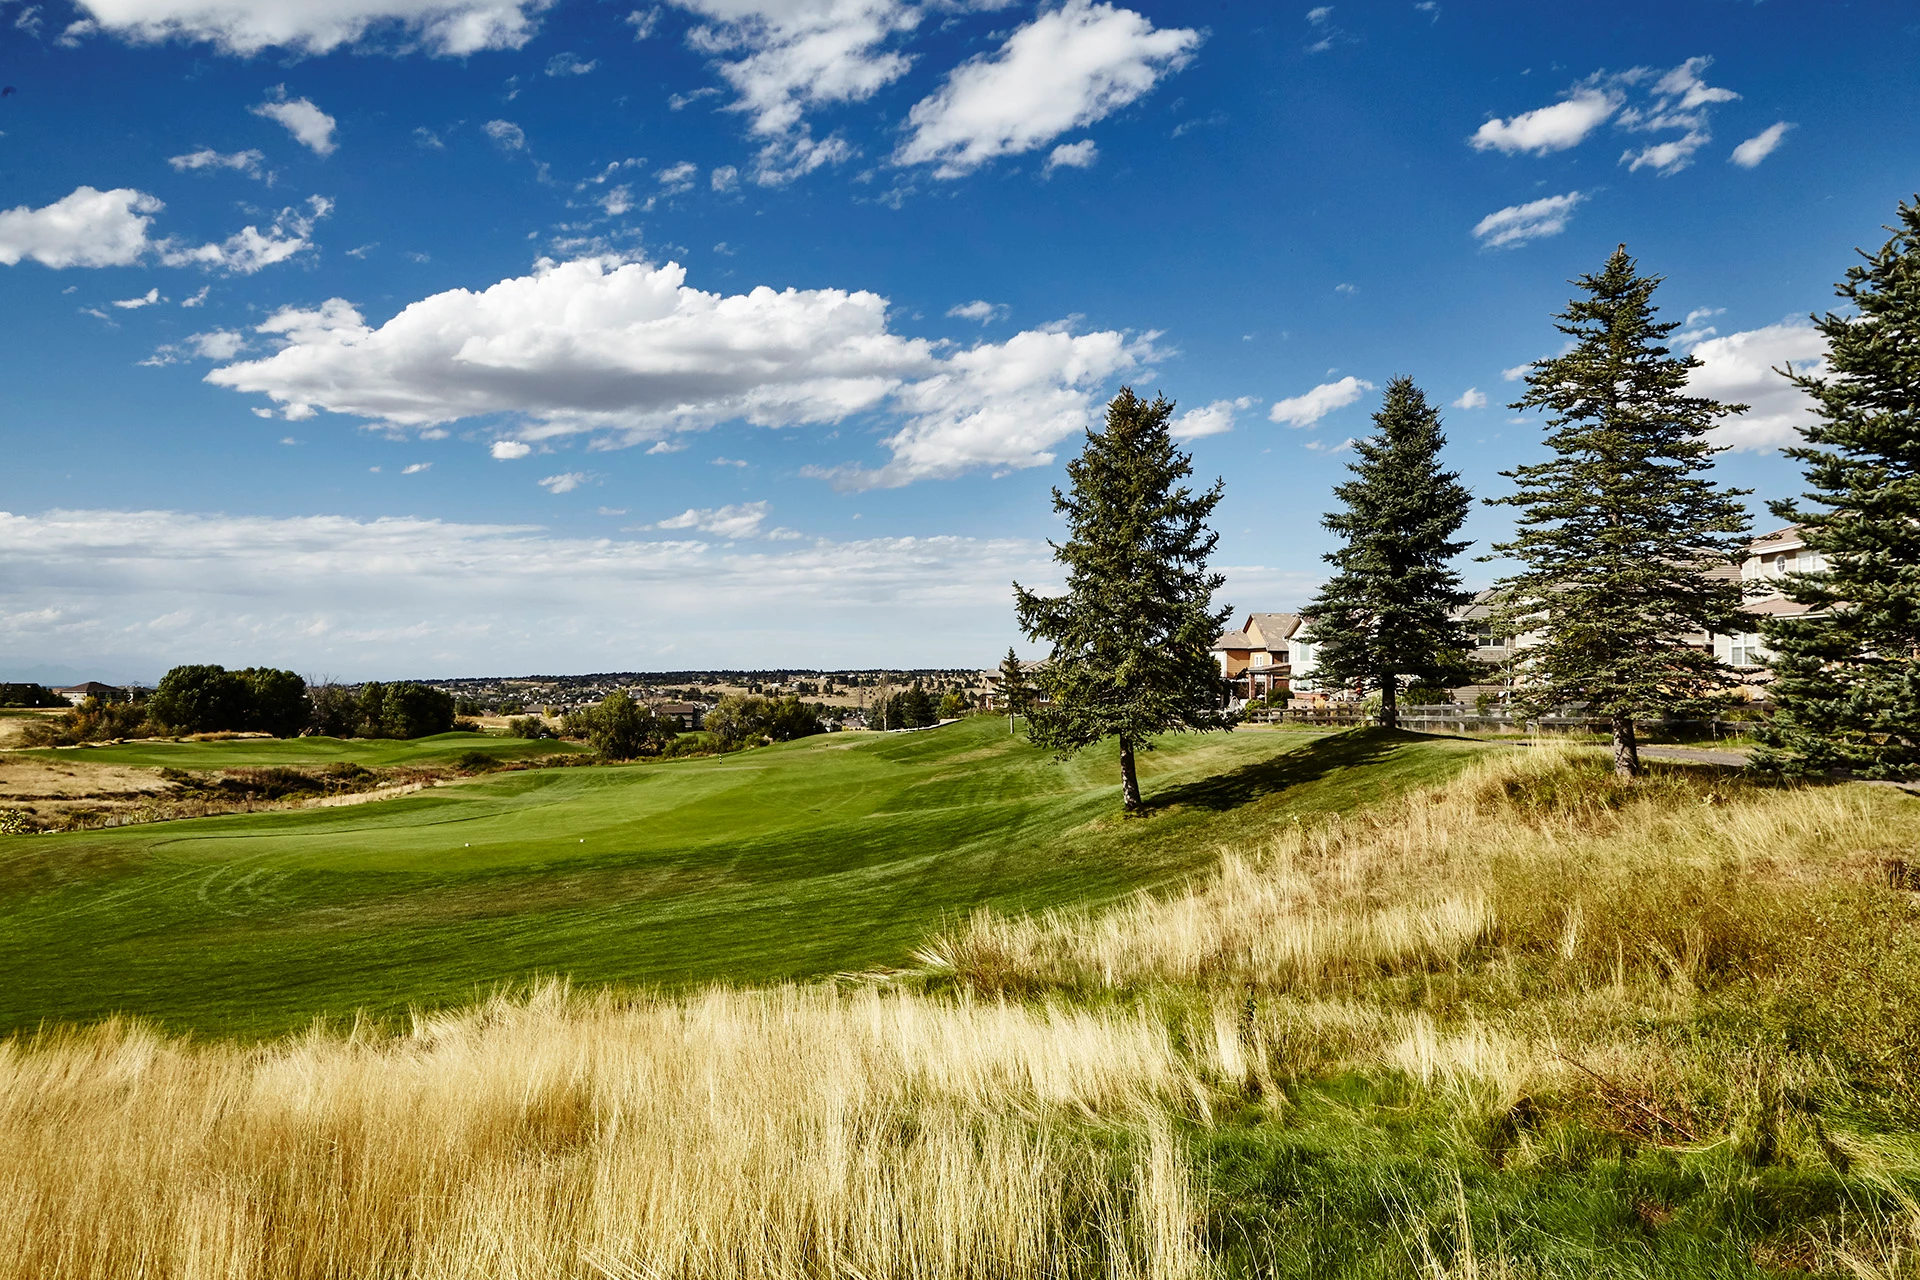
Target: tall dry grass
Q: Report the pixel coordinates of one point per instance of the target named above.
(1535, 850)
(785, 1133)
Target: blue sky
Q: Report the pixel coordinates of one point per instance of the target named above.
(390, 337)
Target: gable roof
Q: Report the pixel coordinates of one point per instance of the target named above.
(1234, 640)
(1273, 628)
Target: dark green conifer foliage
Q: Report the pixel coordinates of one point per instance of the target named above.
(1387, 613)
(1619, 533)
(1846, 685)
(1013, 686)
(1132, 638)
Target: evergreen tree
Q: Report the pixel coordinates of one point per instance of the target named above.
(1846, 685)
(1387, 613)
(1618, 533)
(1132, 637)
(1013, 686)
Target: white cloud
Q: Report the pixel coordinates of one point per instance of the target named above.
(1210, 420)
(643, 21)
(247, 162)
(737, 520)
(1074, 155)
(217, 344)
(1518, 371)
(311, 127)
(566, 482)
(1738, 368)
(724, 178)
(415, 468)
(1639, 100)
(1305, 410)
(88, 228)
(1471, 398)
(630, 352)
(509, 135)
(1760, 145)
(510, 449)
(199, 299)
(446, 28)
(1321, 446)
(1519, 223)
(146, 299)
(1665, 157)
(403, 597)
(678, 178)
(618, 201)
(979, 309)
(1064, 70)
(1548, 129)
(249, 249)
(1346, 288)
(793, 56)
(568, 64)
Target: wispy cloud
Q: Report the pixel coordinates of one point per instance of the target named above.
(1517, 224)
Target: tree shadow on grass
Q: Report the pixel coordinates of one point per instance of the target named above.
(1351, 750)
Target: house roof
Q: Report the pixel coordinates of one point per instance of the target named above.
(1273, 627)
(1234, 640)
(91, 686)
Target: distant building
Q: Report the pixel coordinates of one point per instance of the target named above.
(688, 715)
(1262, 657)
(79, 693)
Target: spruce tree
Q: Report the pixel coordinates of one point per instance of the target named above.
(1846, 686)
(1619, 533)
(1013, 686)
(1387, 613)
(1132, 638)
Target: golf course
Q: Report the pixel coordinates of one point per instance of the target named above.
(833, 853)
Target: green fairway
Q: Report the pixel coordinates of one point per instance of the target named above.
(831, 853)
(255, 753)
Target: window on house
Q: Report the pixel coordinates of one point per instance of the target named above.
(1746, 651)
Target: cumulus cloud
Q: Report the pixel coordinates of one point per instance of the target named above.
(1074, 155)
(1471, 398)
(445, 28)
(566, 482)
(146, 299)
(247, 162)
(507, 450)
(1519, 223)
(1064, 70)
(1564, 124)
(1738, 368)
(250, 249)
(737, 520)
(88, 228)
(629, 351)
(311, 127)
(1305, 410)
(784, 58)
(979, 309)
(1210, 420)
(1760, 145)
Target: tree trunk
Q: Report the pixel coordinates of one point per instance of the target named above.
(1390, 703)
(1129, 783)
(1626, 750)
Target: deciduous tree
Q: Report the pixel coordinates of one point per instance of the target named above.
(1619, 532)
(1132, 637)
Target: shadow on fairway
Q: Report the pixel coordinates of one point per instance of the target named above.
(1351, 750)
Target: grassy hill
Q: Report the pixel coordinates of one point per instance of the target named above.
(832, 853)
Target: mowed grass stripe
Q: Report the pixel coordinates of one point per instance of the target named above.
(833, 853)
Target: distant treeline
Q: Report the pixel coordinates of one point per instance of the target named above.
(29, 695)
(207, 698)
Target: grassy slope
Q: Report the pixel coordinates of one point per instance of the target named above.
(257, 753)
(815, 856)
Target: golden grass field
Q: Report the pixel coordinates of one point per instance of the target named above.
(1693, 995)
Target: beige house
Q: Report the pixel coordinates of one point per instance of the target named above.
(1260, 658)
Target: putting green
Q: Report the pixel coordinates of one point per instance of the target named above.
(832, 853)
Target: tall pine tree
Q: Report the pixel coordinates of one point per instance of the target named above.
(1013, 686)
(1132, 637)
(1387, 613)
(1846, 687)
(1619, 533)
